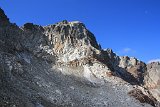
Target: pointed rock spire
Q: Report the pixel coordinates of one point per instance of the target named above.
(3, 17)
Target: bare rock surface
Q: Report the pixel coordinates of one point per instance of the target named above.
(62, 65)
(152, 79)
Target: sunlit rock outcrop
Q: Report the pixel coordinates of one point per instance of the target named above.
(62, 65)
(152, 79)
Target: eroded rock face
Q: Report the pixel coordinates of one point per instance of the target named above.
(71, 40)
(62, 65)
(139, 95)
(129, 68)
(152, 79)
(134, 67)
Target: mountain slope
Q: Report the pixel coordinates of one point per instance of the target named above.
(62, 65)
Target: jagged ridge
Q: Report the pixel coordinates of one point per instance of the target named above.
(32, 54)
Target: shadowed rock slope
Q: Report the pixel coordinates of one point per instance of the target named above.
(62, 65)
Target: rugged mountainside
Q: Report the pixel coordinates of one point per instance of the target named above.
(62, 65)
(152, 79)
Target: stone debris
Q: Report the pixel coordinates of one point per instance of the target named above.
(62, 65)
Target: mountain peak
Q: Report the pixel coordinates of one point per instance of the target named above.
(71, 37)
(3, 17)
(53, 65)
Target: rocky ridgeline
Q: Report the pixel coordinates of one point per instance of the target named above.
(63, 65)
(71, 40)
(3, 19)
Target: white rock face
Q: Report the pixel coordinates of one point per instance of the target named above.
(152, 79)
(71, 40)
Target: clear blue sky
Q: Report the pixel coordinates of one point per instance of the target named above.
(129, 27)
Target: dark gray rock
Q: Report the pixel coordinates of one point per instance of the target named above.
(3, 18)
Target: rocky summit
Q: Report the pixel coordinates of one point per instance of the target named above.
(62, 65)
